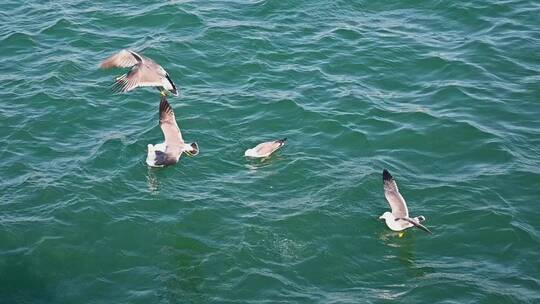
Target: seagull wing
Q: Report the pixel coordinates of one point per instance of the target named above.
(122, 59)
(394, 198)
(147, 74)
(417, 225)
(269, 147)
(171, 132)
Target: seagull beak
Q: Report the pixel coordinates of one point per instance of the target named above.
(381, 217)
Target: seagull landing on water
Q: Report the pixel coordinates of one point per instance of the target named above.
(265, 149)
(398, 219)
(144, 73)
(169, 152)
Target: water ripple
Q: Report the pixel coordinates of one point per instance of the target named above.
(441, 94)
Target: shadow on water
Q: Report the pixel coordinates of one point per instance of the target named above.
(153, 182)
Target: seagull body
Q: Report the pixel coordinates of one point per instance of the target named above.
(265, 149)
(144, 72)
(169, 152)
(398, 219)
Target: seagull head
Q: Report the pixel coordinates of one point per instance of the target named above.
(420, 218)
(250, 153)
(386, 216)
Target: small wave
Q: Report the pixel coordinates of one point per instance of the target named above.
(19, 40)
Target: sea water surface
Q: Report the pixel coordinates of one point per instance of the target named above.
(443, 94)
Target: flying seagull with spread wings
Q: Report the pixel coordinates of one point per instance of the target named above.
(398, 219)
(144, 73)
(265, 149)
(169, 152)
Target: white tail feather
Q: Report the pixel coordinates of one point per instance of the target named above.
(151, 156)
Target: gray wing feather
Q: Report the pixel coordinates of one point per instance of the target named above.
(143, 75)
(394, 198)
(122, 59)
(417, 225)
(269, 147)
(167, 121)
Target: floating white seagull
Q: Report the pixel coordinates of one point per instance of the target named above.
(398, 219)
(265, 149)
(169, 152)
(144, 73)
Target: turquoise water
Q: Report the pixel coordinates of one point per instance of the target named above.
(444, 95)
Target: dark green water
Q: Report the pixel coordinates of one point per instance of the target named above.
(444, 95)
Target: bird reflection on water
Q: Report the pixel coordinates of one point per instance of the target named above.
(153, 183)
(258, 163)
(404, 249)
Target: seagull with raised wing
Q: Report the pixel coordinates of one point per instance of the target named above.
(169, 152)
(144, 73)
(398, 219)
(265, 149)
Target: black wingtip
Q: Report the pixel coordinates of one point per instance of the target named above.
(386, 176)
(424, 228)
(164, 104)
(282, 140)
(174, 91)
(137, 56)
